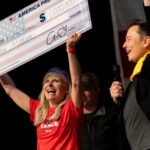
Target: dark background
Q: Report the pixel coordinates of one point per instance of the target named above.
(95, 52)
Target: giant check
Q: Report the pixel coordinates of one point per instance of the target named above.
(39, 28)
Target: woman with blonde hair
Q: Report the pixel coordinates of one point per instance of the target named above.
(57, 114)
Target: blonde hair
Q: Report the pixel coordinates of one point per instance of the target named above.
(42, 109)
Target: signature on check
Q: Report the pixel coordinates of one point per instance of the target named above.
(55, 35)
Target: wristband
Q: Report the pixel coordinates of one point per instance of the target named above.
(71, 49)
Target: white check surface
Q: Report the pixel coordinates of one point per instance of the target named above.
(39, 28)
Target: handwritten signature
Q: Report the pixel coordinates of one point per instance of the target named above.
(55, 35)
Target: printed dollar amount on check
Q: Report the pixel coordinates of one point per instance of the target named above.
(39, 28)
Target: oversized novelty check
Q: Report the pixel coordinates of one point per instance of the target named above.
(39, 28)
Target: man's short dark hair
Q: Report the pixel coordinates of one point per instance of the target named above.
(90, 81)
(144, 27)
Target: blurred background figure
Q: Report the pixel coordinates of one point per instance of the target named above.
(100, 118)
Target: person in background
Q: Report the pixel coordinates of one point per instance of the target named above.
(134, 120)
(58, 113)
(100, 119)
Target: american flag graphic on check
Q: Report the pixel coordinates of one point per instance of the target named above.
(39, 28)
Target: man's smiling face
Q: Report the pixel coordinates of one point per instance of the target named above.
(134, 44)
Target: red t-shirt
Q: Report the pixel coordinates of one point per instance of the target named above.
(61, 134)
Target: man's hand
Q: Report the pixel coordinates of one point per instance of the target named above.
(116, 91)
